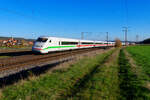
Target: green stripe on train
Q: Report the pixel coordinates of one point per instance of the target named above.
(59, 47)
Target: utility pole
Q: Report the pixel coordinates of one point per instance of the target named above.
(12, 36)
(125, 32)
(107, 38)
(33, 35)
(137, 38)
(82, 35)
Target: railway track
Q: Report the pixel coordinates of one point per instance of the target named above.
(19, 62)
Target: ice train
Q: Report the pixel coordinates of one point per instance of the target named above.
(49, 44)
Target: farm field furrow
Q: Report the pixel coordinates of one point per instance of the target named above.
(52, 86)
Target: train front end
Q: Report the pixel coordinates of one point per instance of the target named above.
(40, 44)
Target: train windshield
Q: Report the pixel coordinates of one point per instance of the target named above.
(41, 40)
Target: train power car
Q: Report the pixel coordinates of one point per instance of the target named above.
(49, 44)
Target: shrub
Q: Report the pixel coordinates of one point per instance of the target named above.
(118, 43)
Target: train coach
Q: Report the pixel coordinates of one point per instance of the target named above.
(49, 44)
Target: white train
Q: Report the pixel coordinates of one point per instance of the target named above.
(49, 44)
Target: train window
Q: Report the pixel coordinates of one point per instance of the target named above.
(69, 43)
(98, 43)
(41, 40)
(87, 43)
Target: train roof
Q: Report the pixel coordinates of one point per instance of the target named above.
(57, 38)
(65, 39)
(69, 39)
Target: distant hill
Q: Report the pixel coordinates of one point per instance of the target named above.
(146, 41)
(17, 38)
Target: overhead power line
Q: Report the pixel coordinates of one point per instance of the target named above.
(83, 33)
(107, 37)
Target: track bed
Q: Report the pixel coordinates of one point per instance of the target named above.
(15, 64)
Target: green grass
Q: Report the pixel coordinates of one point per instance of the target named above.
(131, 85)
(102, 85)
(54, 85)
(141, 54)
(114, 81)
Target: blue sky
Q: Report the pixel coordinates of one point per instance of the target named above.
(68, 18)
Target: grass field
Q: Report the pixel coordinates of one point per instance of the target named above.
(119, 74)
(141, 55)
(103, 84)
(131, 84)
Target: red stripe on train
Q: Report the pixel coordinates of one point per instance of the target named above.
(94, 45)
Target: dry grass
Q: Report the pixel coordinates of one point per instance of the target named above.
(112, 59)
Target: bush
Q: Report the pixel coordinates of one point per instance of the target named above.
(118, 43)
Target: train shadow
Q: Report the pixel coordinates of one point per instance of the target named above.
(25, 74)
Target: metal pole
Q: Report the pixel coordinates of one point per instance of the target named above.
(11, 36)
(82, 35)
(126, 32)
(107, 37)
(126, 36)
(137, 38)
